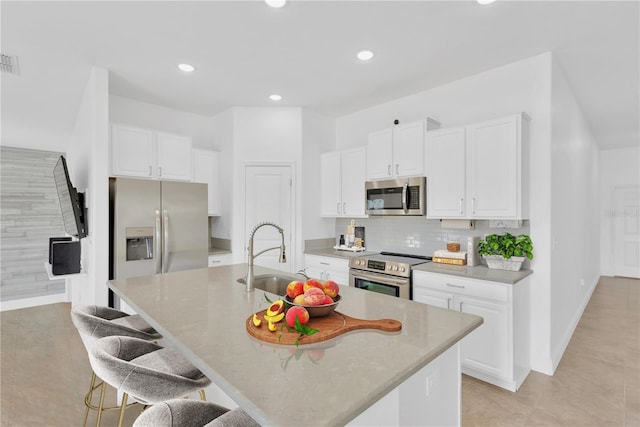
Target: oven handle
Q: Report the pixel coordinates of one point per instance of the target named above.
(381, 278)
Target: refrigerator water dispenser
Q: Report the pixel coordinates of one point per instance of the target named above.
(139, 243)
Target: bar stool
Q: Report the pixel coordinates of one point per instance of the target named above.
(146, 371)
(94, 322)
(193, 413)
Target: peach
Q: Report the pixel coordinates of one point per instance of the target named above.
(299, 299)
(294, 289)
(330, 288)
(312, 283)
(315, 355)
(275, 308)
(297, 312)
(314, 296)
(327, 300)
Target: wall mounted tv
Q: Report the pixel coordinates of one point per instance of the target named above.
(74, 214)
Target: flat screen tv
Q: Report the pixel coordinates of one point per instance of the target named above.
(71, 202)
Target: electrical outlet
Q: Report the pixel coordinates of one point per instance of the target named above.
(581, 282)
(505, 223)
(429, 384)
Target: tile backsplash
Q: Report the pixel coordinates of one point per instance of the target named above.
(416, 235)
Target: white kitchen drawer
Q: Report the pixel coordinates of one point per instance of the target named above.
(326, 262)
(492, 291)
(218, 260)
(327, 268)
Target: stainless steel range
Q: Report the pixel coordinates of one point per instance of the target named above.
(387, 273)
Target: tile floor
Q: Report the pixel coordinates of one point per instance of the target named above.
(45, 372)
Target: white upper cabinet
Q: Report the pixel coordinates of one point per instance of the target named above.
(205, 170)
(174, 156)
(380, 154)
(479, 171)
(446, 175)
(342, 183)
(132, 151)
(145, 153)
(398, 151)
(495, 171)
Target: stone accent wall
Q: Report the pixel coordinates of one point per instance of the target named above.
(29, 215)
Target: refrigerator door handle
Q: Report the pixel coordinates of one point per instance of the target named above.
(165, 241)
(157, 245)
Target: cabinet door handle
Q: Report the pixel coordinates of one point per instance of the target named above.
(455, 286)
(344, 208)
(338, 207)
(460, 306)
(150, 172)
(448, 303)
(215, 261)
(160, 171)
(473, 205)
(389, 170)
(461, 201)
(397, 169)
(324, 263)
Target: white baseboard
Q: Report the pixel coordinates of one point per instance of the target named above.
(33, 302)
(556, 355)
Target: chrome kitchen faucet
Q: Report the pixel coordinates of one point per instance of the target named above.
(282, 259)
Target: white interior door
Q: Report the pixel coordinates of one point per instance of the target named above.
(627, 232)
(268, 197)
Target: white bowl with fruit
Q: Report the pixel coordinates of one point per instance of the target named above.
(318, 298)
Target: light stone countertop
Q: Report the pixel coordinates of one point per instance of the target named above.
(203, 312)
(480, 272)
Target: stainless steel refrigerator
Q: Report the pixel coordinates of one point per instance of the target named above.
(156, 227)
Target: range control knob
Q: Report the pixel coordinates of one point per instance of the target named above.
(402, 269)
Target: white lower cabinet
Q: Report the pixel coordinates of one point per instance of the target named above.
(498, 351)
(218, 260)
(327, 268)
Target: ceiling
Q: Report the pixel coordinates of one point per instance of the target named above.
(245, 50)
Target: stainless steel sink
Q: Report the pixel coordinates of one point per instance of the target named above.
(274, 283)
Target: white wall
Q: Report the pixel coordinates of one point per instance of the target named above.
(222, 134)
(265, 135)
(86, 154)
(523, 86)
(318, 136)
(574, 214)
(618, 168)
(145, 115)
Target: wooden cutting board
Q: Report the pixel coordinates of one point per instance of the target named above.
(329, 326)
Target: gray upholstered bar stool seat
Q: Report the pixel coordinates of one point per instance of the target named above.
(94, 322)
(146, 371)
(193, 413)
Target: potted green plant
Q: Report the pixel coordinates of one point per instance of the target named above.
(506, 251)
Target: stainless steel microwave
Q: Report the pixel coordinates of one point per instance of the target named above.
(403, 196)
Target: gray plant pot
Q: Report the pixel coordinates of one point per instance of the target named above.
(498, 262)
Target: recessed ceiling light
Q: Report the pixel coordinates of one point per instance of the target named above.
(276, 3)
(275, 97)
(187, 68)
(483, 2)
(364, 55)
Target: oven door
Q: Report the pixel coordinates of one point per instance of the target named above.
(382, 283)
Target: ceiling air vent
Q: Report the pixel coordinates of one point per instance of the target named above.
(9, 64)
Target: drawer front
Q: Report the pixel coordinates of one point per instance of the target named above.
(218, 260)
(326, 263)
(477, 288)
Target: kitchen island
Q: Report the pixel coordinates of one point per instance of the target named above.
(411, 377)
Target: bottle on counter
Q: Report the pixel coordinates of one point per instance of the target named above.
(341, 242)
(351, 233)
